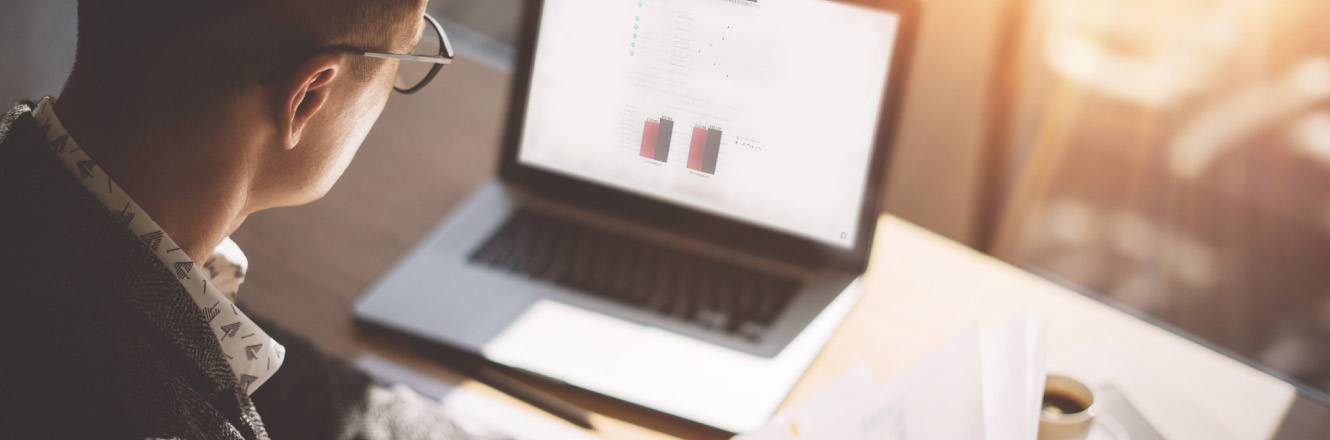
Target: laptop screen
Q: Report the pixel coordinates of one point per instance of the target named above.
(763, 111)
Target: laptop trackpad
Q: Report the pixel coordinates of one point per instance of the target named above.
(553, 333)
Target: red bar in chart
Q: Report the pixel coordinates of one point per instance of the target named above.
(649, 139)
(697, 148)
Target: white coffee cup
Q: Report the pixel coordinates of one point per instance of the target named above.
(1068, 409)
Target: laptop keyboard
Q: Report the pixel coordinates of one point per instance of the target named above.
(706, 291)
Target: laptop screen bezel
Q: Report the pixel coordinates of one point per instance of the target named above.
(715, 228)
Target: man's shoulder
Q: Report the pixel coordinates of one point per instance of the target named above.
(83, 309)
(44, 209)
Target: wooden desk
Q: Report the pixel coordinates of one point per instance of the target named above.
(430, 150)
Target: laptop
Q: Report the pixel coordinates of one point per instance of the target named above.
(686, 200)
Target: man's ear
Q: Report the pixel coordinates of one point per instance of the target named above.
(303, 94)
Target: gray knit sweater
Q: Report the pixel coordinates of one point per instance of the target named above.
(99, 340)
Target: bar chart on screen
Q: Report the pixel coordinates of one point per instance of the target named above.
(707, 68)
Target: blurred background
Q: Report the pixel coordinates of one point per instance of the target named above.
(1172, 156)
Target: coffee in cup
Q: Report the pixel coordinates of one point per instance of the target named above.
(1068, 409)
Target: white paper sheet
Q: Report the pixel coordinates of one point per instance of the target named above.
(940, 397)
(853, 389)
(976, 386)
(1013, 369)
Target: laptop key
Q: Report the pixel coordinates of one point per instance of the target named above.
(767, 309)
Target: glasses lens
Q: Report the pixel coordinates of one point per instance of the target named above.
(411, 74)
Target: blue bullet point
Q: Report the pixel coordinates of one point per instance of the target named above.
(634, 26)
(634, 35)
(638, 18)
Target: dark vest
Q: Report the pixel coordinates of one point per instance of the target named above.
(99, 340)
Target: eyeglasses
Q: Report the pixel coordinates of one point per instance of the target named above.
(431, 52)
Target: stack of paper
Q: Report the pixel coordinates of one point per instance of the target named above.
(985, 385)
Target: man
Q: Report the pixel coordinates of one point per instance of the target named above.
(117, 279)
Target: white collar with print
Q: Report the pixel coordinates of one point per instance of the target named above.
(253, 355)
